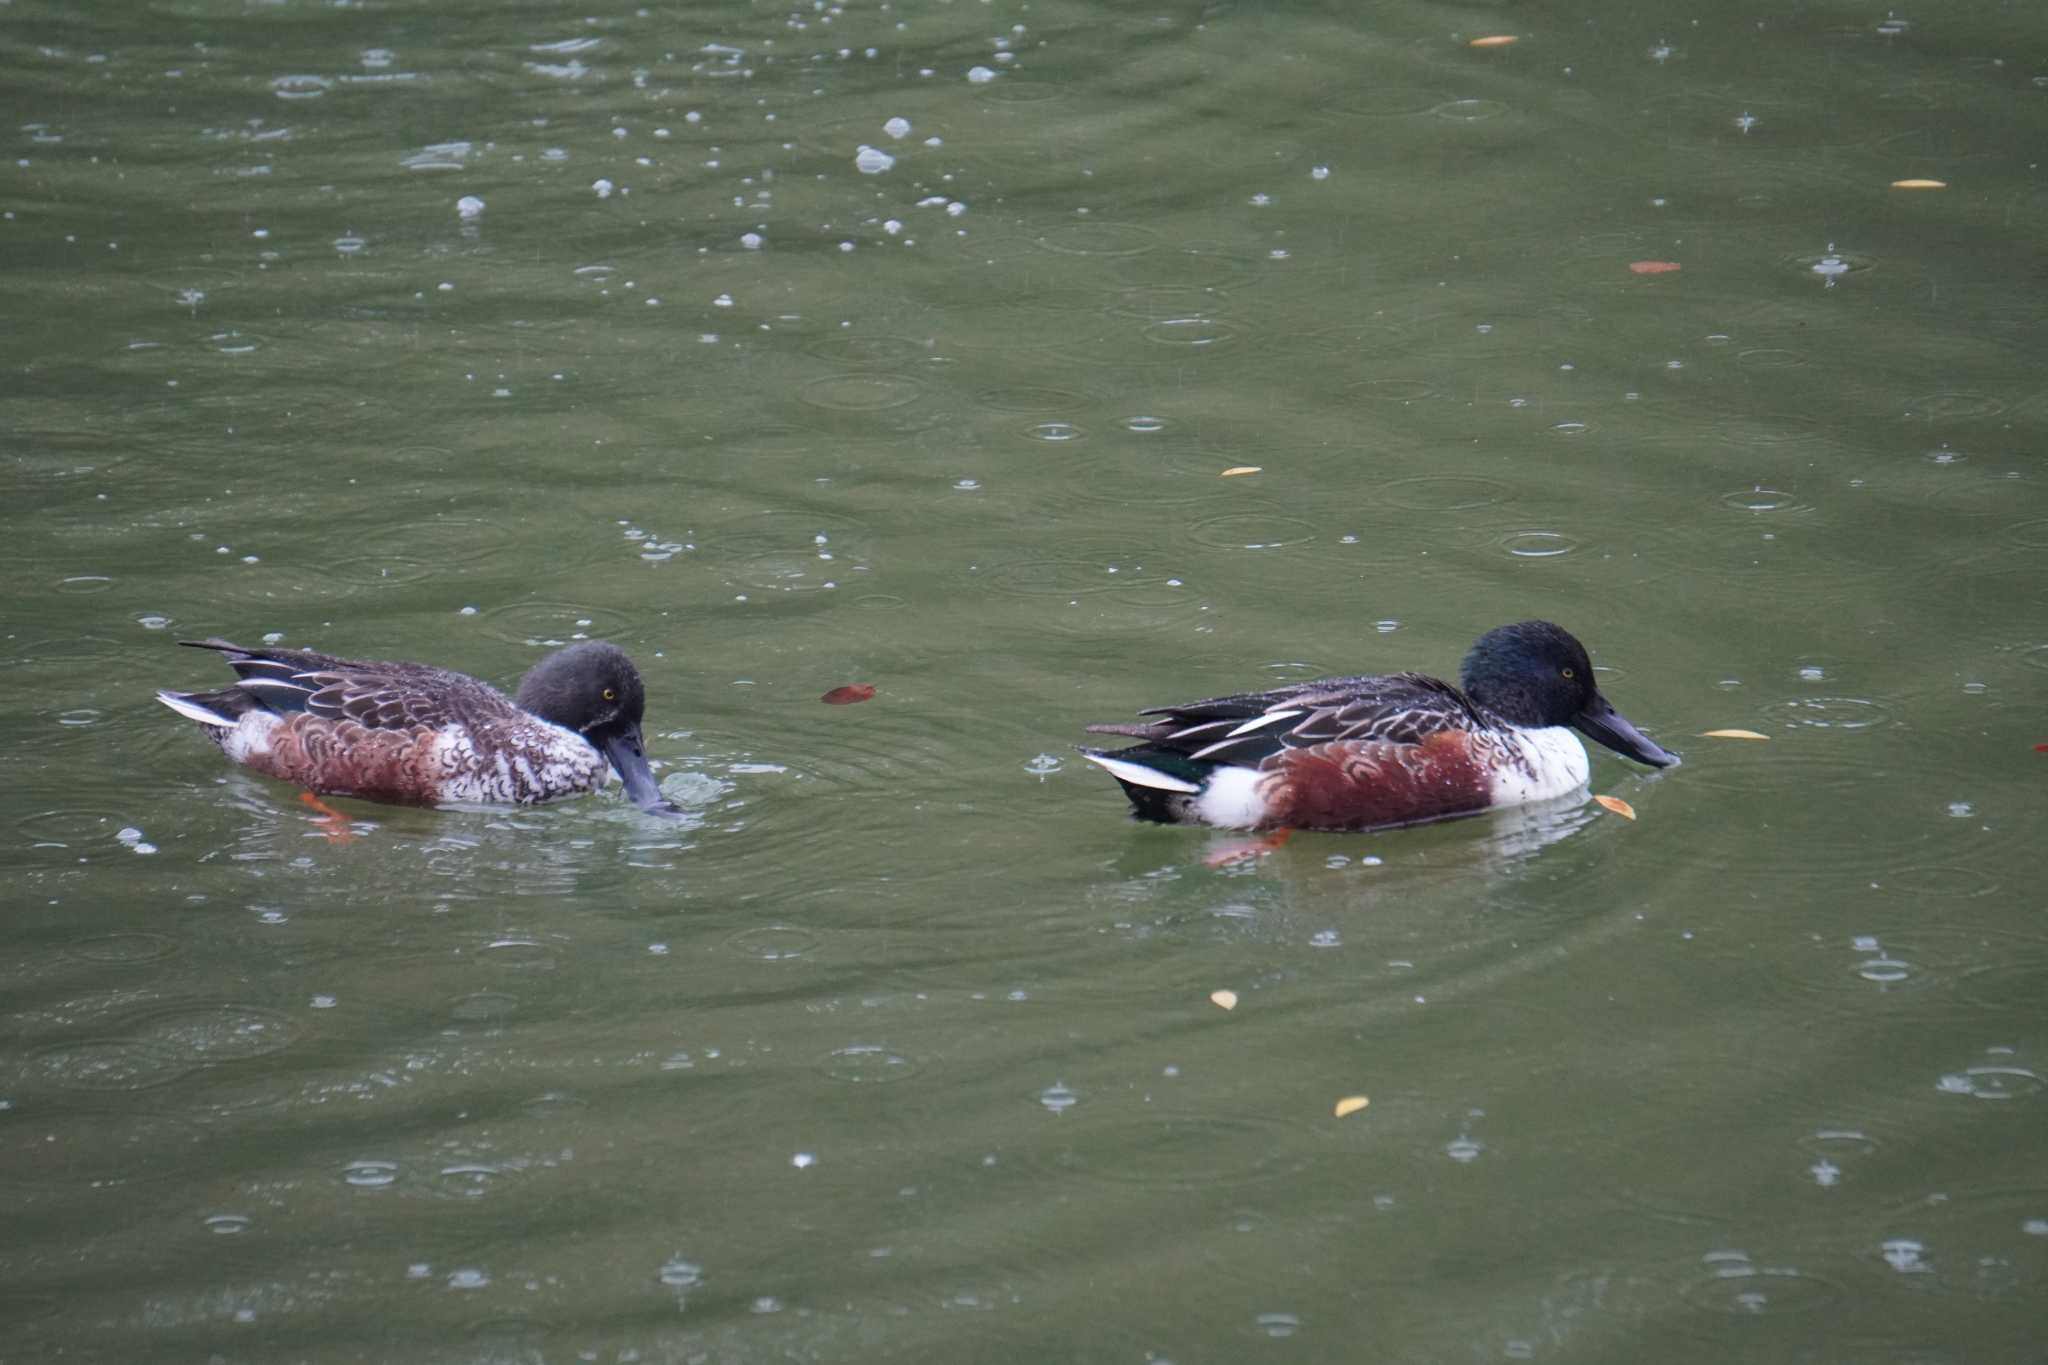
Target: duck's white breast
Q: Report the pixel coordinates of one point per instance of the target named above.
(1538, 765)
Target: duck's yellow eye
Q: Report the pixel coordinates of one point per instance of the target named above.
(610, 695)
(1566, 672)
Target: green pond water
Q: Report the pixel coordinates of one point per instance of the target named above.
(792, 346)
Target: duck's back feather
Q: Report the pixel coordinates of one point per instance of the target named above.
(1249, 728)
(375, 694)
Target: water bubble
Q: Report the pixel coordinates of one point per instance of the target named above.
(681, 1274)
(300, 87)
(1906, 1256)
(1279, 1325)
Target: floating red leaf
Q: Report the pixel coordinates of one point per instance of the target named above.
(849, 694)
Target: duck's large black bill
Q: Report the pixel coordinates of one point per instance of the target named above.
(1600, 721)
(629, 758)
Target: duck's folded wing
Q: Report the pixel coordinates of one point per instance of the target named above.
(375, 694)
(382, 701)
(1249, 728)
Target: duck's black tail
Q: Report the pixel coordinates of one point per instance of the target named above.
(1159, 782)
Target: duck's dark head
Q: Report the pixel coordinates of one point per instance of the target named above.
(1535, 674)
(593, 689)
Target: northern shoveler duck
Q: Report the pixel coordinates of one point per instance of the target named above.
(1376, 752)
(411, 734)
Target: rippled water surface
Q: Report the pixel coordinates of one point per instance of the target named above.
(802, 346)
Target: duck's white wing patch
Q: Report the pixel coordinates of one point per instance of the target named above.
(1138, 775)
(1261, 722)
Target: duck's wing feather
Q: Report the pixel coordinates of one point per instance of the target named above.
(1250, 727)
(375, 694)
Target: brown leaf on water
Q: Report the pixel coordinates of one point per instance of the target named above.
(849, 694)
(1237, 471)
(1919, 184)
(1495, 40)
(1732, 734)
(1618, 806)
(1223, 999)
(1350, 1104)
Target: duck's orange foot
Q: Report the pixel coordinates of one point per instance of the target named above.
(1243, 850)
(337, 824)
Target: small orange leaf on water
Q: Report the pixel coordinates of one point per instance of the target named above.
(849, 694)
(1919, 184)
(1732, 734)
(1224, 999)
(1495, 40)
(1239, 470)
(1350, 1104)
(1654, 267)
(1618, 806)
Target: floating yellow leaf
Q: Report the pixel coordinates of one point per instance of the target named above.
(1226, 999)
(1238, 470)
(1618, 806)
(1350, 1104)
(1733, 734)
(1919, 184)
(1495, 40)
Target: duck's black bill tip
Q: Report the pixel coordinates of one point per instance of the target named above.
(1605, 725)
(630, 762)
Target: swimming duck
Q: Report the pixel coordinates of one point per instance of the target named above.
(415, 735)
(1380, 751)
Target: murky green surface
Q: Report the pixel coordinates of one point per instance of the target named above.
(902, 1046)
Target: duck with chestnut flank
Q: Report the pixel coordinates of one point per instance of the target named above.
(1375, 752)
(415, 735)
